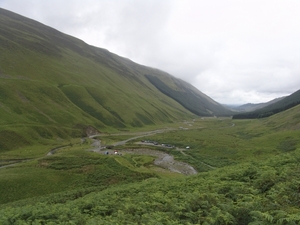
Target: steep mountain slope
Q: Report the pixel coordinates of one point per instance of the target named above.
(188, 96)
(50, 78)
(279, 106)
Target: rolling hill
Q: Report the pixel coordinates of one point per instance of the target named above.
(271, 109)
(251, 107)
(55, 85)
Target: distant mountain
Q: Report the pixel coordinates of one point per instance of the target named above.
(251, 107)
(53, 84)
(277, 106)
(188, 96)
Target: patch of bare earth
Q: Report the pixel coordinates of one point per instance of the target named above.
(164, 160)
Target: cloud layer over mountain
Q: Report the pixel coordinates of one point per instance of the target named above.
(234, 51)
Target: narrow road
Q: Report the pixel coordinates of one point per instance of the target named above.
(163, 160)
(13, 163)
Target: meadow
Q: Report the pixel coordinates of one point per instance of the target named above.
(248, 173)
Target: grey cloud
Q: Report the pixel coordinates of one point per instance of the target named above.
(234, 51)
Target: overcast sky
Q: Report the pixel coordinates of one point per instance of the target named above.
(235, 51)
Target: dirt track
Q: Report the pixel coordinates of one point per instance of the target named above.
(163, 160)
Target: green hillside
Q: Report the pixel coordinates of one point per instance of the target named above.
(251, 107)
(248, 174)
(62, 100)
(189, 97)
(51, 81)
(269, 110)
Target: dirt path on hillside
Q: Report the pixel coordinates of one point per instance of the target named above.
(139, 135)
(163, 159)
(9, 163)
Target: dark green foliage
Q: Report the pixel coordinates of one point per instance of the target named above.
(110, 174)
(98, 170)
(76, 171)
(244, 194)
(242, 215)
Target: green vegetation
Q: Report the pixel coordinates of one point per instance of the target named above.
(70, 168)
(52, 85)
(265, 193)
(56, 90)
(249, 174)
(279, 106)
(189, 98)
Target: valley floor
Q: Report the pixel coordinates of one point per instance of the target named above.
(247, 173)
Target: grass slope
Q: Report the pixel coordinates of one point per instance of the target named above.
(255, 179)
(53, 86)
(189, 97)
(279, 106)
(49, 79)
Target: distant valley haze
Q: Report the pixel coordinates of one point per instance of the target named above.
(234, 51)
